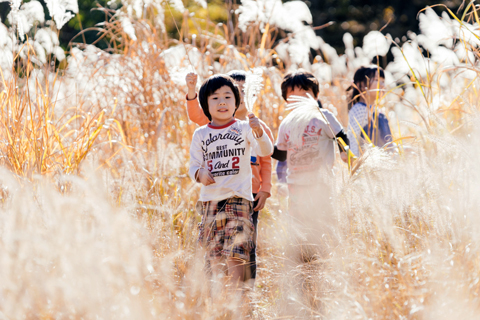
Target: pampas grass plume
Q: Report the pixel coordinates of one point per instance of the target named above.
(253, 85)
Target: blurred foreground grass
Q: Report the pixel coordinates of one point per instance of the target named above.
(98, 214)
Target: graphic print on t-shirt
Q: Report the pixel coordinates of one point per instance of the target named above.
(221, 156)
(308, 152)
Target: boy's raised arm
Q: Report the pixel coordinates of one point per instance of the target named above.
(266, 165)
(264, 145)
(194, 111)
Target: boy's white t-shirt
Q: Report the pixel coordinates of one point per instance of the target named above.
(317, 151)
(225, 151)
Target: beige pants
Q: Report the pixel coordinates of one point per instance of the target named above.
(310, 208)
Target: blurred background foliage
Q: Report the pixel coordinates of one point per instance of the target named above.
(362, 16)
(358, 17)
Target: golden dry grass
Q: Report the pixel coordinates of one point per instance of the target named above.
(98, 214)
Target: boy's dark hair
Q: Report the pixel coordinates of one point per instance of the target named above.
(362, 76)
(300, 79)
(211, 85)
(238, 75)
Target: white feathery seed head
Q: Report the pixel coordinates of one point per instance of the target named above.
(24, 18)
(177, 5)
(437, 30)
(62, 11)
(128, 28)
(33, 11)
(303, 110)
(252, 87)
(6, 49)
(288, 16)
(48, 39)
(178, 74)
(202, 3)
(375, 44)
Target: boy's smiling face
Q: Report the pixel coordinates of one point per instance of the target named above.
(221, 105)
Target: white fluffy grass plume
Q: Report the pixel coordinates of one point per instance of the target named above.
(253, 85)
(71, 254)
(303, 111)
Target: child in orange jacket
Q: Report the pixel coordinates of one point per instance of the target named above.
(261, 166)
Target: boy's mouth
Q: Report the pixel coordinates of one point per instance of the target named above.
(222, 110)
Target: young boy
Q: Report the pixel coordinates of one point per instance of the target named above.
(308, 164)
(220, 159)
(303, 83)
(261, 166)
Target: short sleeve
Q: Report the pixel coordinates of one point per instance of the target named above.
(333, 123)
(282, 138)
(196, 155)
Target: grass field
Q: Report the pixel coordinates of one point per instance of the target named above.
(97, 213)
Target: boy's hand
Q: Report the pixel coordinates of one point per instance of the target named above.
(191, 80)
(262, 198)
(205, 177)
(344, 156)
(255, 125)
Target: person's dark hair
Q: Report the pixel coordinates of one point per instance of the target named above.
(238, 75)
(362, 76)
(211, 85)
(300, 79)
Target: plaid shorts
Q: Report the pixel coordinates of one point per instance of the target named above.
(226, 228)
